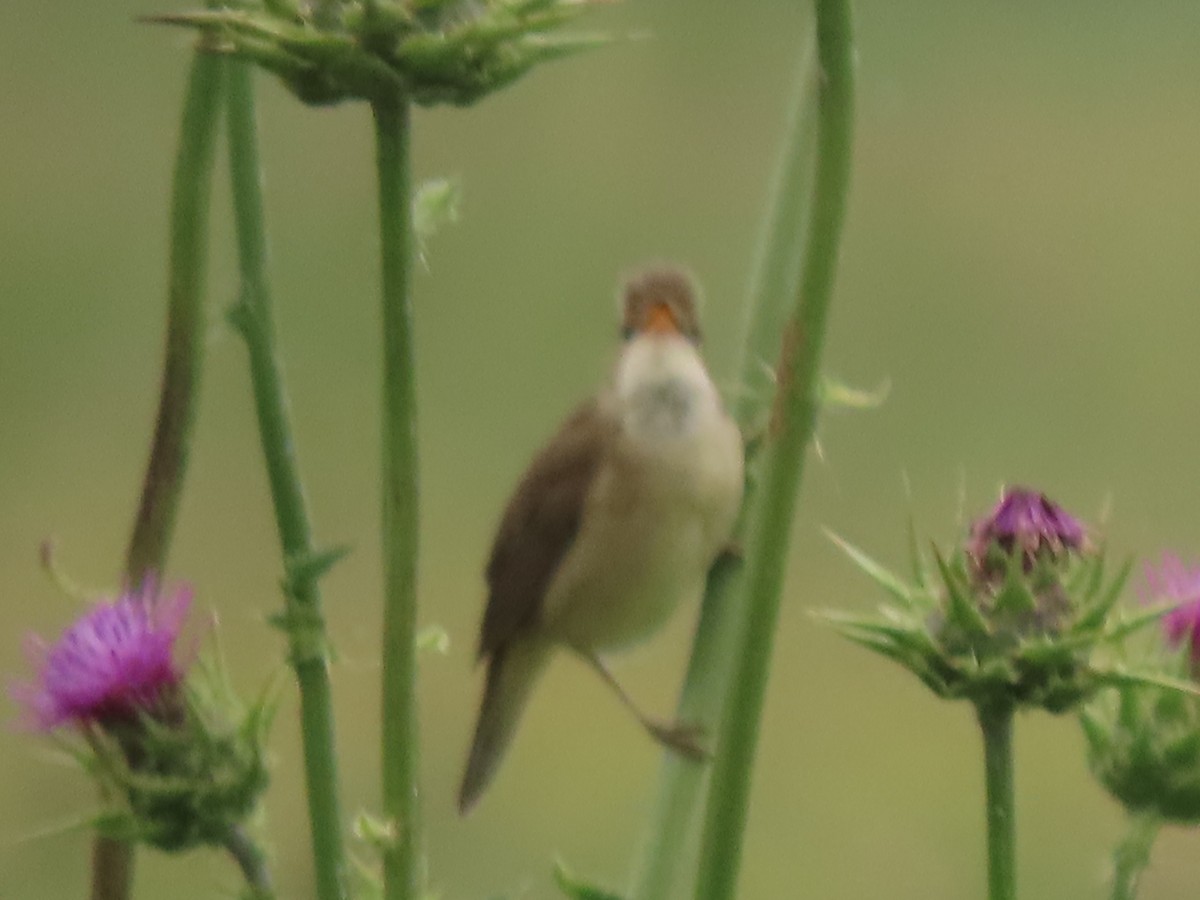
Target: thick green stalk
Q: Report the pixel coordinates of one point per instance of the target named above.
(789, 431)
(112, 860)
(669, 845)
(402, 875)
(996, 723)
(303, 620)
(1133, 854)
(163, 482)
(779, 253)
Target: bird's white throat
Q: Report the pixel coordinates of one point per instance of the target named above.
(662, 388)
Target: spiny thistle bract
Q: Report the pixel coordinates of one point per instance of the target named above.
(429, 51)
(1144, 742)
(157, 739)
(1013, 617)
(185, 783)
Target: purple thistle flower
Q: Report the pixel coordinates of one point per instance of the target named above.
(1172, 581)
(1028, 521)
(118, 658)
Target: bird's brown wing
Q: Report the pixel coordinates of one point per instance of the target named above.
(541, 522)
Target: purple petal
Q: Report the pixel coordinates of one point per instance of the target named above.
(1172, 582)
(1028, 521)
(117, 658)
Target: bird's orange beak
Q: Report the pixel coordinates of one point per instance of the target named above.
(660, 320)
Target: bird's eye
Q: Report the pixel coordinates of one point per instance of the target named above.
(627, 332)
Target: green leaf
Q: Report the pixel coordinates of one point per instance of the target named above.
(834, 394)
(903, 648)
(368, 884)
(1184, 751)
(543, 48)
(1095, 572)
(874, 570)
(435, 638)
(381, 834)
(1014, 595)
(577, 889)
(305, 567)
(1044, 651)
(1119, 677)
(1129, 711)
(962, 611)
(1139, 620)
(284, 9)
(436, 204)
(898, 632)
(1098, 611)
(920, 570)
(529, 7)
(1095, 732)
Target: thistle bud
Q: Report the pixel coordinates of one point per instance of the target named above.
(157, 739)
(1026, 525)
(1014, 566)
(1144, 741)
(1013, 616)
(431, 52)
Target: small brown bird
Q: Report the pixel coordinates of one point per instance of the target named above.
(616, 521)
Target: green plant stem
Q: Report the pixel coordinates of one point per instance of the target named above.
(790, 430)
(163, 484)
(996, 723)
(779, 252)
(303, 620)
(670, 844)
(402, 874)
(252, 861)
(1132, 855)
(162, 487)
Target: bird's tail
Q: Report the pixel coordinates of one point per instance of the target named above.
(511, 674)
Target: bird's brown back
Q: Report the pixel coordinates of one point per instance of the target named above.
(541, 522)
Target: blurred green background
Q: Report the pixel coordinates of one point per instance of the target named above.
(1020, 263)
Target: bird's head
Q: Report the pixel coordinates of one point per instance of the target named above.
(660, 301)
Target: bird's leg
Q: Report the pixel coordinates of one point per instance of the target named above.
(682, 737)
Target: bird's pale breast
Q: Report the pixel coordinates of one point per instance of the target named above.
(659, 511)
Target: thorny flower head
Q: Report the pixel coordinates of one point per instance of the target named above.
(1016, 558)
(1025, 523)
(1013, 616)
(118, 660)
(180, 763)
(1144, 740)
(428, 51)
